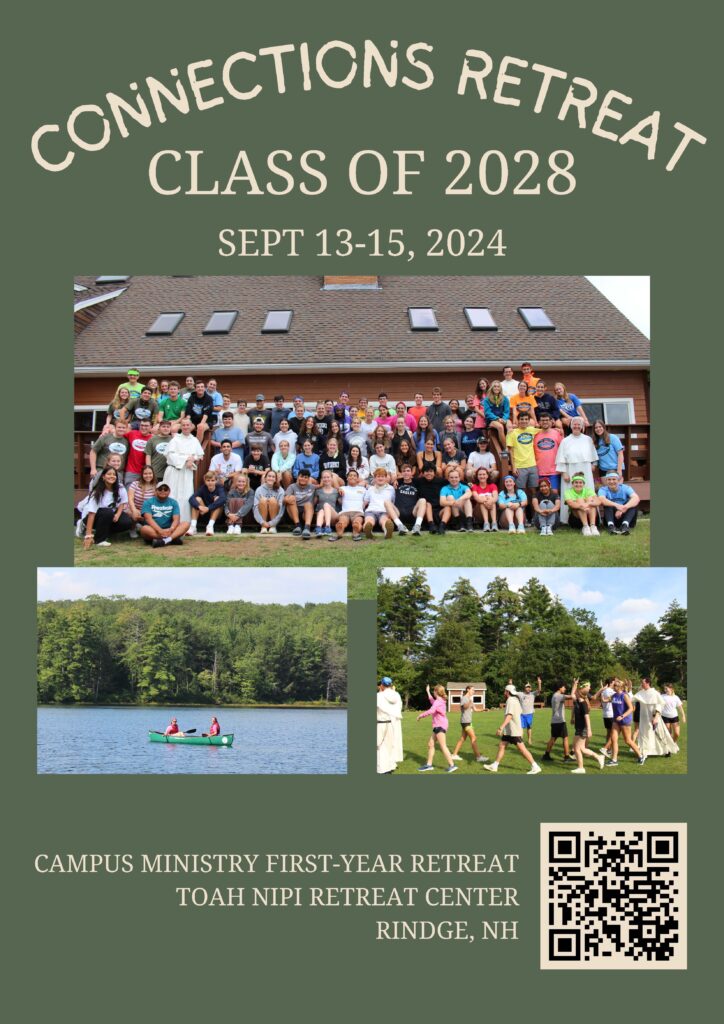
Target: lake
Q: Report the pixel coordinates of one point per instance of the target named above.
(267, 741)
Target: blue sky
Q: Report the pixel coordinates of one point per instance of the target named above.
(262, 586)
(623, 600)
(631, 295)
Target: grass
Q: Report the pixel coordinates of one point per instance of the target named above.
(415, 736)
(564, 548)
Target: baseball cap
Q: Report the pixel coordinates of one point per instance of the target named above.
(510, 688)
(386, 681)
(482, 439)
(260, 398)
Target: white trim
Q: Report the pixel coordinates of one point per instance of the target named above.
(77, 306)
(249, 368)
(611, 398)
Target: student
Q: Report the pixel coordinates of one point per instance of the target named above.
(452, 459)
(496, 408)
(509, 385)
(583, 505)
(437, 410)
(268, 503)
(438, 711)
(481, 458)
(429, 486)
(606, 692)
(261, 412)
(379, 495)
(559, 729)
(226, 463)
(307, 432)
(278, 414)
(528, 374)
(188, 388)
(241, 417)
(156, 448)
(173, 408)
(326, 498)
(259, 437)
(484, 496)
(384, 461)
(389, 727)
(522, 455)
(429, 458)
(619, 503)
(469, 436)
(200, 410)
(527, 708)
(510, 732)
(113, 443)
(298, 416)
(207, 504)
(182, 457)
(418, 409)
(546, 443)
(569, 406)
(218, 401)
(256, 464)
(105, 511)
(118, 409)
(214, 728)
(424, 433)
(307, 461)
(609, 450)
(162, 523)
(622, 721)
(333, 461)
(143, 407)
(521, 402)
(138, 492)
(322, 421)
(356, 461)
(173, 729)
(672, 711)
(546, 508)
(405, 456)
(136, 458)
(449, 431)
(285, 433)
(408, 510)
(299, 502)
(402, 414)
(355, 436)
(282, 462)
(455, 502)
(239, 502)
(581, 719)
(351, 511)
(546, 402)
(228, 432)
(512, 502)
(467, 708)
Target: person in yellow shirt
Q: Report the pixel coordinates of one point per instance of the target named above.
(519, 441)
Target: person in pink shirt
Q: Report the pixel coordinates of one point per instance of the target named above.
(410, 421)
(438, 711)
(546, 443)
(173, 729)
(214, 728)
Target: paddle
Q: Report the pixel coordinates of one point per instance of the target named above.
(158, 732)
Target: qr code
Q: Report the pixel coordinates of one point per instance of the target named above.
(613, 896)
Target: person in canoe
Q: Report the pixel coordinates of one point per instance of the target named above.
(214, 728)
(173, 729)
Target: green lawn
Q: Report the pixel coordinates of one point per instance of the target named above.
(565, 548)
(416, 734)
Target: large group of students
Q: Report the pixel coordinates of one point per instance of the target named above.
(373, 466)
(647, 723)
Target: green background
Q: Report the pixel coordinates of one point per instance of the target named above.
(117, 946)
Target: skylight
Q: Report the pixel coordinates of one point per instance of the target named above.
(221, 321)
(111, 279)
(480, 318)
(165, 323)
(536, 318)
(422, 318)
(277, 321)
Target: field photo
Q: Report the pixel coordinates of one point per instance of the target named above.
(361, 421)
(519, 671)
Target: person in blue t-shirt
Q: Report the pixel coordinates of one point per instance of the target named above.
(228, 432)
(569, 406)
(456, 501)
(619, 503)
(512, 502)
(609, 450)
(308, 460)
(162, 519)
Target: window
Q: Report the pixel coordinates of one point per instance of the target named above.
(617, 411)
(111, 279)
(277, 321)
(79, 288)
(165, 323)
(480, 318)
(536, 318)
(221, 321)
(422, 318)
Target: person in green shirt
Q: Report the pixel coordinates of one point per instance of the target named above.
(174, 407)
(583, 503)
(133, 383)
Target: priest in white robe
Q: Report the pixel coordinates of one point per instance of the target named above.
(389, 727)
(576, 454)
(655, 739)
(182, 457)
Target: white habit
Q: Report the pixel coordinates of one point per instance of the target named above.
(178, 476)
(575, 455)
(653, 742)
(389, 730)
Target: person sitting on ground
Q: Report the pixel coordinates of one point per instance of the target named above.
(326, 499)
(559, 729)
(583, 505)
(307, 461)
(352, 496)
(138, 492)
(105, 511)
(484, 497)
(452, 458)
(200, 410)
(113, 443)
(380, 493)
(619, 502)
(228, 432)
(496, 408)
(226, 463)
(455, 501)
(299, 502)
(239, 502)
(512, 503)
(546, 508)
(162, 522)
(256, 464)
(408, 509)
(268, 502)
(207, 504)
(384, 461)
(481, 458)
(282, 463)
(429, 485)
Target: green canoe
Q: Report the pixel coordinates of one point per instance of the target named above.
(200, 741)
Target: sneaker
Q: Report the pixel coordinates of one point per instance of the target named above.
(451, 768)
(456, 757)
(642, 759)
(103, 544)
(586, 530)
(511, 528)
(157, 543)
(601, 760)
(491, 767)
(594, 531)
(426, 768)
(177, 540)
(389, 529)
(368, 528)
(535, 769)
(297, 531)
(493, 527)
(209, 531)
(318, 533)
(486, 527)
(432, 528)
(612, 764)
(482, 759)
(521, 528)
(237, 530)
(441, 529)
(306, 533)
(543, 531)
(336, 536)
(625, 530)
(327, 530)
(546, 757)
(192, 528)
(355, 536)
(416, 530)
(133, 534)
(578, 771)
(569, 757)
(264, 529)
(611, 528)
(272, 529)
(80, 529)
(402, 529)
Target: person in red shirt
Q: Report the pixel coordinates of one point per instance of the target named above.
(173, 729)
(418, 409)
(214, 728)
(136, 460)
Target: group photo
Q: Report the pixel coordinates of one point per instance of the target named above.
(232, 419)
(547, 672)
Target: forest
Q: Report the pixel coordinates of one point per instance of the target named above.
(121, 650)
(503, 633)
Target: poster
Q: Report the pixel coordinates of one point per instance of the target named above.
(631, 192)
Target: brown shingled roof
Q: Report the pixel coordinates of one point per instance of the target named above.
(357, 327)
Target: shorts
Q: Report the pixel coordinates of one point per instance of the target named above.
(637, 712)
(527, 477)
(375, 515)
(582, 734)
(437, 729)
(512, 739)
(345, 518)
(625, 722)
(526, 721)
(466, 727)
(670, 721)
(608, 723)
(559, 730)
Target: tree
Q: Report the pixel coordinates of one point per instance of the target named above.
(673, 637)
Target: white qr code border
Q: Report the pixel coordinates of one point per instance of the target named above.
(570, 942)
